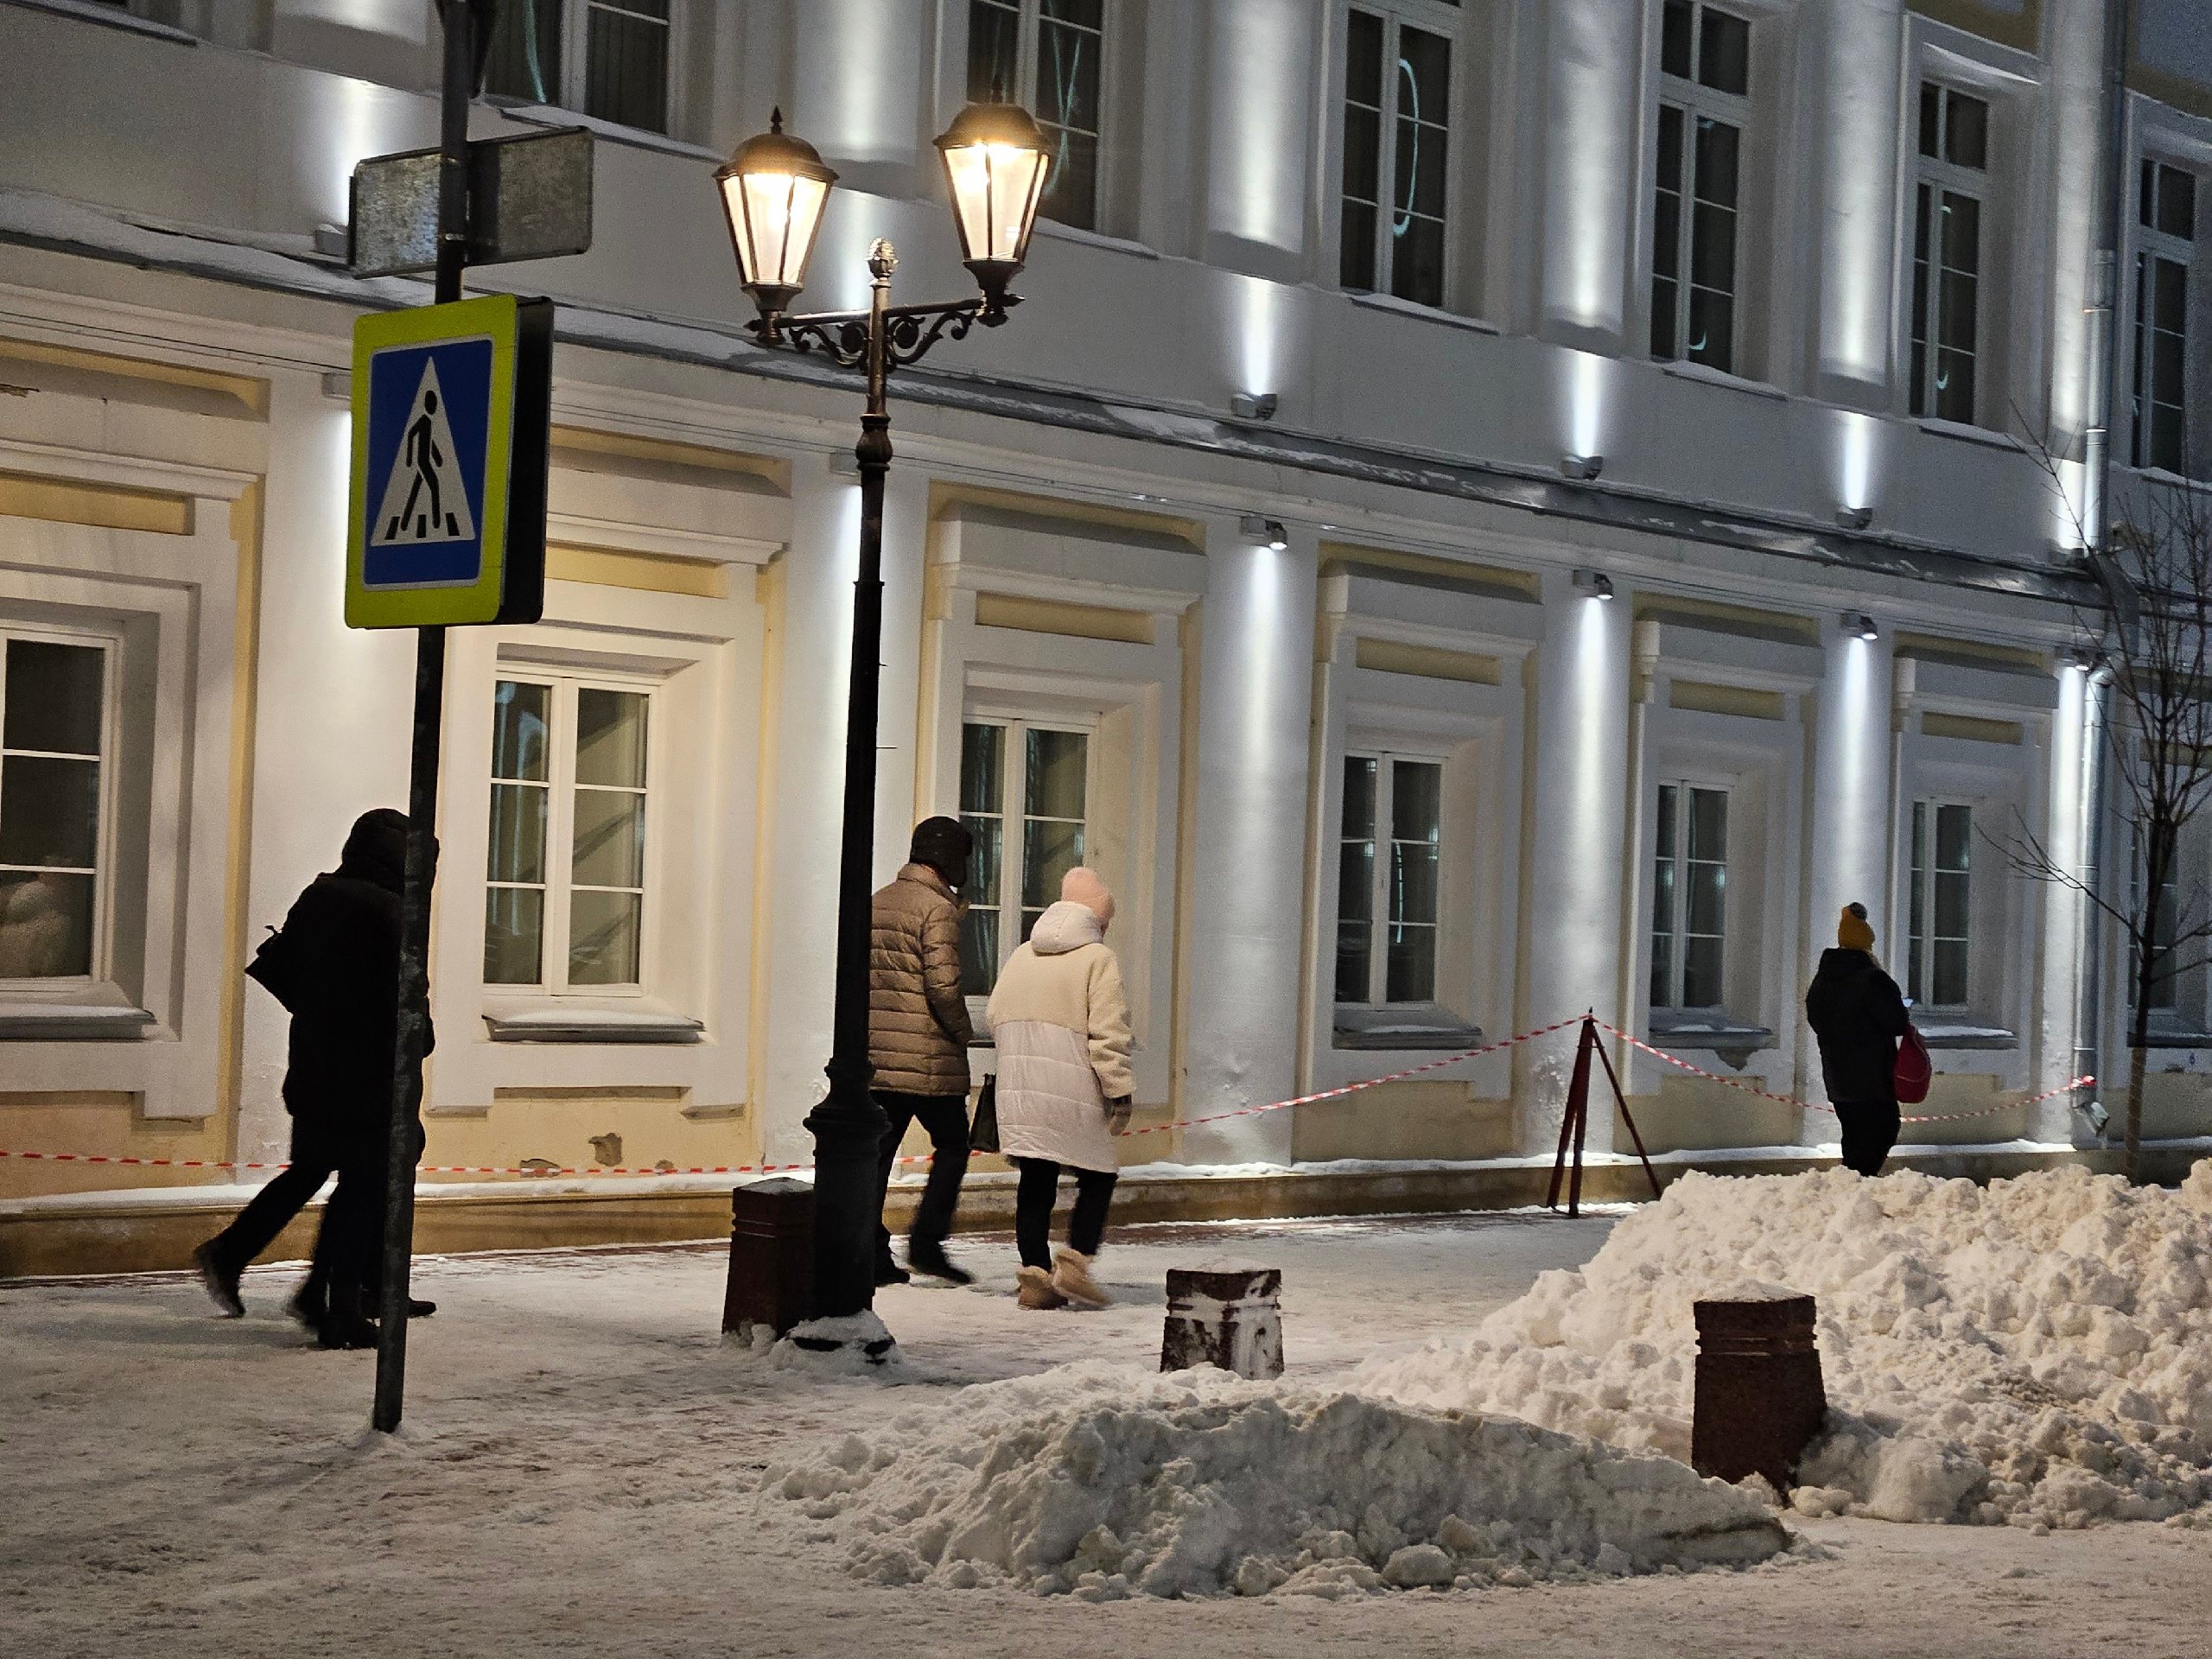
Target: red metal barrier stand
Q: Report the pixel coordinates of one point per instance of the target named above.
(1574, 1120)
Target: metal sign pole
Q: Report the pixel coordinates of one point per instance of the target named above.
(413, 990)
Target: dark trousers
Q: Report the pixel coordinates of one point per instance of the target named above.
(1032, 1209)
(1870, 1130)
(349, 1250)
(314, 1154)
(944, 1119)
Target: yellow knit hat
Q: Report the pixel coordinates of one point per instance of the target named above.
(1853, 932)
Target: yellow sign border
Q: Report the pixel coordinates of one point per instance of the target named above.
(495, 315)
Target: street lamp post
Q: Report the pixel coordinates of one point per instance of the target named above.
(774, 189)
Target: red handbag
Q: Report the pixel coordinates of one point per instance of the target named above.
(1915, 1071)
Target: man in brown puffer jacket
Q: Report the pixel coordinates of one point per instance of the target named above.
(917, 1036)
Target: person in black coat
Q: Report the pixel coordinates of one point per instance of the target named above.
(1857, 1013)
(335, 967)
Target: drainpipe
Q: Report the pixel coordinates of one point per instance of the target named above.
(2104, 350)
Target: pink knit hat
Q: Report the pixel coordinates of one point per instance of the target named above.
(1082, 886)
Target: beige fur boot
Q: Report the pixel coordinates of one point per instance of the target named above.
(1071, 1278)
(1034, 1289)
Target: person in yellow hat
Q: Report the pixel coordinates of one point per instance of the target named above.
(1858, 1015)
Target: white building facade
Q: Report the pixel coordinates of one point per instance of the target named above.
(1487, 510)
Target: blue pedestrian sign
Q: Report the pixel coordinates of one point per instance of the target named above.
(450, 415)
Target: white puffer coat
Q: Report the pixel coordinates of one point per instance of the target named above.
(1061, 1020)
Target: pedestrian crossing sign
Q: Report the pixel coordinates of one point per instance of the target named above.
(447, 521)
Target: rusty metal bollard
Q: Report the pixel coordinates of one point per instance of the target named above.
(1225, 1314)
(771, 1260)
(1760, 1399)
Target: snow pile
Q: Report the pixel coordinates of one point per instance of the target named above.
(1109, 1482)
(2038, 1351)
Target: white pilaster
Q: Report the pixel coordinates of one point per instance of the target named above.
(1572, 957)
(1247, 858)
(1593, 54)
(1850, 813)
(803, 781)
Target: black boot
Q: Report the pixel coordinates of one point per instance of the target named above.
(220, 1279)
(927, 1256)
(345, 1323)
(888, 1272)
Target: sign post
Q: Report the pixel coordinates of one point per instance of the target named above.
(446, 526)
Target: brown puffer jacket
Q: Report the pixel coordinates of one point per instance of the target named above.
(917, 1029)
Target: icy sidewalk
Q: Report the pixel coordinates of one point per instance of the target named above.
(580, 1463)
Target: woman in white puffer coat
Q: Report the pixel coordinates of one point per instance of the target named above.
(1061, 1021)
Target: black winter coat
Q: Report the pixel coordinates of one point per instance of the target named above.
(1857, 1013)
(343, 933)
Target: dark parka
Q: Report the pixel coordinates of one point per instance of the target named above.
(1858, 1014)
(918, 1027)
(342, 939)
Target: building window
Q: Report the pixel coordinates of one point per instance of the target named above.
(1689, 897)
(53, 744)
(1705, 59)
(1939, 910)
(2165, 238)
(1058, 49)
(1031, 823)
(1387, 878)
(1947, 251)
(1396, 143)
(565, 908)
(607, 58)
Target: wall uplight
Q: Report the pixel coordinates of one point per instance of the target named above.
(1854, 518)
(1594, 584)
(1263, 532)
(1253, 405)
(1581, 469)
(1859, 625)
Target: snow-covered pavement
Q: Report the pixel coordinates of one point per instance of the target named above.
(577, 1472)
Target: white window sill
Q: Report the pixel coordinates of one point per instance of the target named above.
(1965, 433)
(1731, 1040)
(1059, 233)
(2170, 480)
(110, 17)
(562, 1019)
(82, 1013)
(1427, 312)
(1411, 1027)
(1683, 369)
(549, 114)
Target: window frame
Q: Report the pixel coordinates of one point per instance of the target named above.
(2149, 245)
(100, 968)
(555, 919)
(1446, 21)
(1696, 101)
(1678, 923)
(1028, 29)
(1922, 838)
(1940, 177)
(573, 91)
(1014, 810)
(1384, 837)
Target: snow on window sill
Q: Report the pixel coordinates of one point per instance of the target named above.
(1681, 369)
(558, 1019)
(549, 115)
(1959, 1034)
(111, 18)
(1414, 309)
(78, 1013)
(1965, 434)
(1409, 1027)
(1059, 232)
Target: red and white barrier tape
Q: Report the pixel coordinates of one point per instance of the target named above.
(1738, 1084)
(543, 1170)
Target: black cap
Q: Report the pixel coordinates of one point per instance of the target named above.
(944, 845)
